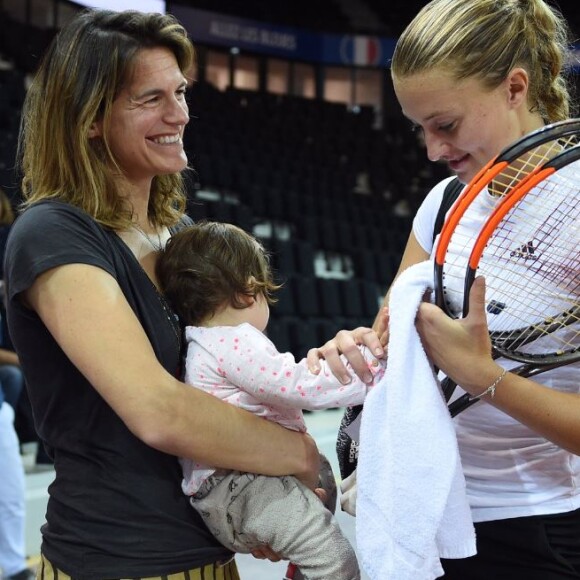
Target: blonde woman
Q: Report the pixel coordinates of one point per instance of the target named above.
(473, 76)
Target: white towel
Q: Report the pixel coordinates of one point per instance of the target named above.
(411, 507)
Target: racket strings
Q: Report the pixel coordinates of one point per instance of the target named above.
(522, 166)
(460, 241)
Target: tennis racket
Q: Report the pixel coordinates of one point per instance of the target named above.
(529, 252)
(492, 184)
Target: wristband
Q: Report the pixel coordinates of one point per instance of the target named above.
(491, 389)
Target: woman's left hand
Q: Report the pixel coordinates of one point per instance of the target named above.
(346, 342)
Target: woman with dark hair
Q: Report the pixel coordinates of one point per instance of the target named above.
(101, 149)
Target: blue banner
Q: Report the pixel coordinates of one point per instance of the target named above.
(292, 43)
(284, 42)
(575, 58)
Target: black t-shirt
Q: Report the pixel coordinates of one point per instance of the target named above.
(116, 508)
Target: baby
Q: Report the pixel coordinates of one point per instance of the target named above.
(219, 281)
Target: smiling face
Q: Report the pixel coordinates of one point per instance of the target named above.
(464, 123)
(147, 119)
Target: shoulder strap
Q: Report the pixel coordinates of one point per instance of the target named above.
(451, 193)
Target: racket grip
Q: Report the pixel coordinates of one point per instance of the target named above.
(448, 387)
(459, 405)
(291, 571)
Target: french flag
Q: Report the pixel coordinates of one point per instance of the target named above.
(360, 50)
(573, 61)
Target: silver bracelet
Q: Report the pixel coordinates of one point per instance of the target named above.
(491, 389)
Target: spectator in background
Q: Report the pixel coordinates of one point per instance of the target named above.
(6, 220)
(12, 486)
(11, 376)
(10, 373)
(12, 500)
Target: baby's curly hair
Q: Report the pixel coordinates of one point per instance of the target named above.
(209, 264)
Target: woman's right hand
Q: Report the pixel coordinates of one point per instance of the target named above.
(311, 475)
(461, 348)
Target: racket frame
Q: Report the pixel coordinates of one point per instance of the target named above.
(492, 169)
(533, 365)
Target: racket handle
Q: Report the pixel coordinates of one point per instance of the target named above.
(448, 387)
(291, 571)
(464, 402)
(459, 405)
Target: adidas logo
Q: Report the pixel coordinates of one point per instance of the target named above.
(525, 252)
